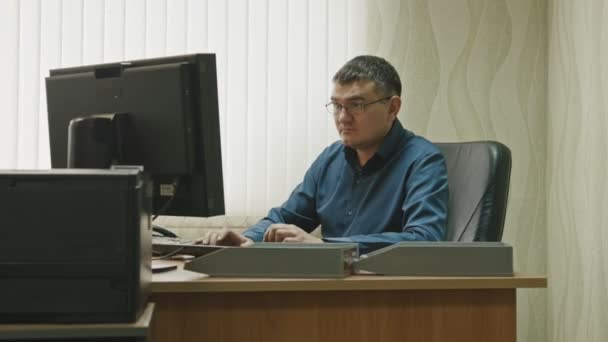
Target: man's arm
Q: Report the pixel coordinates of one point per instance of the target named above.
(298, 210)
(425, 208)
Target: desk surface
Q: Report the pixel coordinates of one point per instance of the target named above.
(186, 281)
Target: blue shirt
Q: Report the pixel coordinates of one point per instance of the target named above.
(400, 194)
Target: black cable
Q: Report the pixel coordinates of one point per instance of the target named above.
(167, 255)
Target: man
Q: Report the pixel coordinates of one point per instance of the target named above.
(380, 184)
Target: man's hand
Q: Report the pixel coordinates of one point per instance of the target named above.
(279, 232)
(224, 237)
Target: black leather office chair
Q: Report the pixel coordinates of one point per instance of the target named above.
(478, 178)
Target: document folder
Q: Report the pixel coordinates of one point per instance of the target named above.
(439, 259)
(279, 260)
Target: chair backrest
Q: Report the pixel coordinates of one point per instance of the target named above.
(478, 179)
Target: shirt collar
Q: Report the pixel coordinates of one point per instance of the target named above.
(388, 147)
(392, 141)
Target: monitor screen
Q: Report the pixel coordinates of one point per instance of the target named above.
(160, 113)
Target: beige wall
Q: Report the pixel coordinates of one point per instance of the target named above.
(476, 70)
(576, 171)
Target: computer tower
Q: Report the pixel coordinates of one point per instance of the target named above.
(74, 245)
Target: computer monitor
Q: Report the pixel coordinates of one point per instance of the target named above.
(160, 113)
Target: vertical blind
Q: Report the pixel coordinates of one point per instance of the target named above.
(275, 61)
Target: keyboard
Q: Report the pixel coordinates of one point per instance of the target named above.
(164, 246)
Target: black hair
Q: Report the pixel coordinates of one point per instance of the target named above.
(373, 68)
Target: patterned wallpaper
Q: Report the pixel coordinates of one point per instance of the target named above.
(576, 171)
(475, 70)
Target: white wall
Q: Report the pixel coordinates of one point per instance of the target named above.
(577, 171)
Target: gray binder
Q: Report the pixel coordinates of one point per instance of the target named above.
(439, 259)
(279, 260)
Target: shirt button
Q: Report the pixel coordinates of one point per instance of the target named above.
(349, 213)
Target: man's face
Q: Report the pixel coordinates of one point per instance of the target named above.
(363, 128)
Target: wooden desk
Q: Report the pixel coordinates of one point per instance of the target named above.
(192, 307)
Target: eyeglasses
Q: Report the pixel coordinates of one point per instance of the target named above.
(335, 108)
